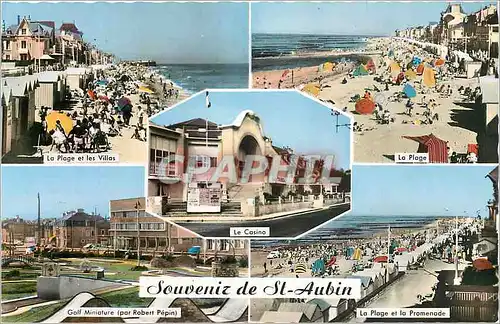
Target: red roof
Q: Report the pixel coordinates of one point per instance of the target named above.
(436, 147)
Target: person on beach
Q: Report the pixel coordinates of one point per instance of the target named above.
(265, 267)
(58, 140)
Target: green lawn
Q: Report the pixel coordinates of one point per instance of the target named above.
(36, 314)
(13, 290)
(126, 298)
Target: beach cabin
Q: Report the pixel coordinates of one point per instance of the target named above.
(283, 317)
(393, 271)
(331, 308)
(23, 87)
(404, 261)
(377, 276)
(311, 311)
(366, 284)
(51, 90)
(77, 78)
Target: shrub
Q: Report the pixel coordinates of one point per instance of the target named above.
(228, 260)
(12, 274)
(139, 268)
(243, 262)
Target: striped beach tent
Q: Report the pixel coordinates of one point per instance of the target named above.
(436, 147)
(300, 268)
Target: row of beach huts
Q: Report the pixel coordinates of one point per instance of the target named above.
(22, 95)
(372, 280)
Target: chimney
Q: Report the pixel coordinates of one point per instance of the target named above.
(18, 19)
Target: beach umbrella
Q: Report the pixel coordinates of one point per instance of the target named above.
(145, 90)
(411, 75)
(381, 98)
(102, 83)
(409, 91)
(429, 77)
(380, 259)
(312, 89)
(124, 101)
(104, 98)
(395, 69)
(365, 106)
(420, 69)
(439, 62)
(300, 268)
(332, 261)
(92, 94)
(53, 117)
(482, 264)
(401, 249)
(194, 250)
(416, 60)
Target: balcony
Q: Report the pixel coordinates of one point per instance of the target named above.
(163, 170)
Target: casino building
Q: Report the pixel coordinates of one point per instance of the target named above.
(203, 144)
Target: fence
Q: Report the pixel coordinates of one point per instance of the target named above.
(473, 303)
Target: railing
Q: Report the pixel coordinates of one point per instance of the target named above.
(473, 303)
(158, 169)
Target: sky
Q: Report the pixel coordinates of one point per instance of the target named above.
(65, 188)
(288, 118)
(362, 18)
(165, 32)
(429, 190)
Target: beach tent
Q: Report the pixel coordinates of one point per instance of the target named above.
(145, 90)
(400, 78)
(370, 66)
(429, 77)
(439, 62)
(395, 69)
(312, 89)
(365, 106)
(358, 254)
(420, 69)
(300, 268)
(53, 117)
(328, 66)
(437, 148)
(92, 94)
(360, 70)
(411, 75)
(409, 91)
(318, 266)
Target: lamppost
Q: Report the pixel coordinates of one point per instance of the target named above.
(137, 206)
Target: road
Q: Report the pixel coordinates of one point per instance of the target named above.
(288, 226)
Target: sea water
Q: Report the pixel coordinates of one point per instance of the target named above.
(197, 77)
(274, 51)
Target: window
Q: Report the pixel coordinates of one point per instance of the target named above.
(7, 57)
(23, 44)
(23, 31)
(7, 45)
(24, 57)
(213, 162)
(210, 244)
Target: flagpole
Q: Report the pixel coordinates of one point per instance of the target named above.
(206, 132)
(138, 234)
(388, 253)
